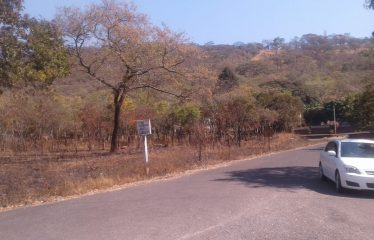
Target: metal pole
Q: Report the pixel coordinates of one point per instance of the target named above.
(334, 119)
(146, 154)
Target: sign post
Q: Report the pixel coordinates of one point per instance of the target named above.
(144, 129)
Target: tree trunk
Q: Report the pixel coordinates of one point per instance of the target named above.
(118, 100)
(239, 136)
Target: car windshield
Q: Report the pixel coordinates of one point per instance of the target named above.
(357, 149)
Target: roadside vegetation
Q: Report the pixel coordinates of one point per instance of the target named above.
(71, 90)
(29, 178)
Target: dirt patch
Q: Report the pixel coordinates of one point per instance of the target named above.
(24, 182)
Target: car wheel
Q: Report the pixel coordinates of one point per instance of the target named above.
(338, 183)
(321, 174)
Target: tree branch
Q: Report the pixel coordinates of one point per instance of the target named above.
(157, 89)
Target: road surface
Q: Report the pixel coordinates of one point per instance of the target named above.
(273, 197)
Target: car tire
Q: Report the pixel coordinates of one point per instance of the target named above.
(338, 183)
(321, 174)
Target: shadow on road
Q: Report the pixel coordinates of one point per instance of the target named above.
(290, 178)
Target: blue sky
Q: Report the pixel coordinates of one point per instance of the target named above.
(230, 21)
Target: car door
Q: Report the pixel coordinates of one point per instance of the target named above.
(324, 160)
(328, 161)
(331, 160)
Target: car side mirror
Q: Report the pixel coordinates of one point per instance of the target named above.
(331, 153)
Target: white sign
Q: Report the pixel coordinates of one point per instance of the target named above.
(144, 127)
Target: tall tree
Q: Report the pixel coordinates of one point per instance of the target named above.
(277, 43)
(227, 80)
(31, 50)
(119, 48)
(362, 111)
(288, 107)
(370, 4)
(10, 11)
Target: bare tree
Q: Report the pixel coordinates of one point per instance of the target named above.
(118, 47)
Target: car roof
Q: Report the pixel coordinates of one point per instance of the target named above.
(357, 140)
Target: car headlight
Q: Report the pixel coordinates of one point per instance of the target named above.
(351, 169)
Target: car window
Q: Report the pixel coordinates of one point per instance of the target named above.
(357, 150)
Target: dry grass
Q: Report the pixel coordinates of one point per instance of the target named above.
(24, 181)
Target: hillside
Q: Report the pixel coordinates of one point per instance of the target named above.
(315, 68)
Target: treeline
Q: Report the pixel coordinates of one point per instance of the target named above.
(48, 121)
(355, 109)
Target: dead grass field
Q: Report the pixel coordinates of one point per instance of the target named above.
(28, 179)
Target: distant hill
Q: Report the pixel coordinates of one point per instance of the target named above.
(313, 67)
(316, 68)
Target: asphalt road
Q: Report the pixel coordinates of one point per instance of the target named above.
(274, 197)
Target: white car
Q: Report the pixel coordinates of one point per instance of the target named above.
(349, 163)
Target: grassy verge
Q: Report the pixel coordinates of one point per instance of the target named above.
(25, 181)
